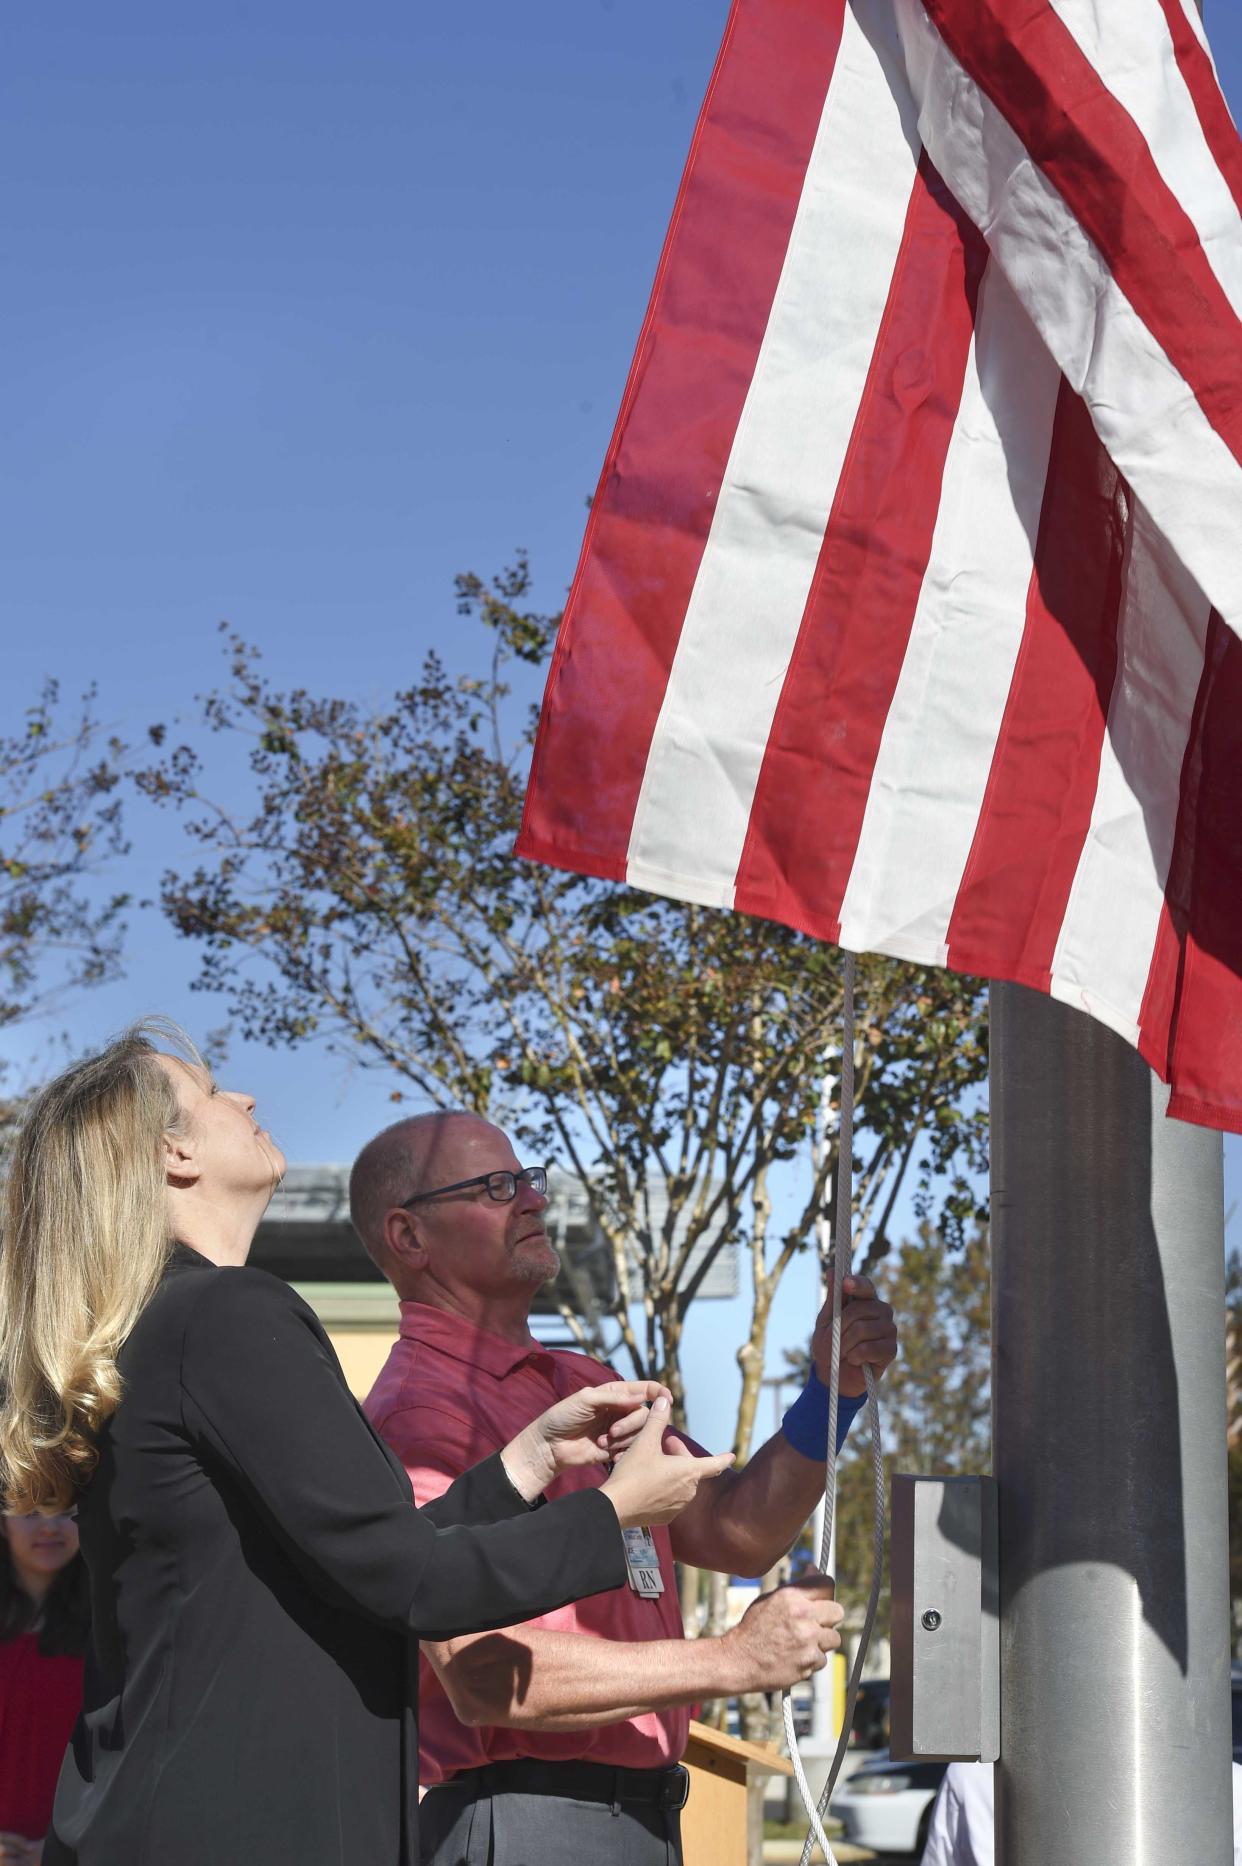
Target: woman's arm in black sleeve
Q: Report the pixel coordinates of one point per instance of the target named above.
(263, 1391)
(480, 1493)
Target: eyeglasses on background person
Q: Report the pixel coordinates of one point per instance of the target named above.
(501, 1186)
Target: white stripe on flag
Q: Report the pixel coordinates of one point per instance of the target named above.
(1144, 412)
(936, 754)
(1133, 53)
(746, 608)
(1104, 949)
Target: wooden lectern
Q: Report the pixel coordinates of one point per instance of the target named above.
(722, 1823)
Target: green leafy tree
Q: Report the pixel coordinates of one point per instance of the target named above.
(60, 822)
(60, 828)
(365, 895)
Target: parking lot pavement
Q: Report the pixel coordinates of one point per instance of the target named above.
(789, 1852)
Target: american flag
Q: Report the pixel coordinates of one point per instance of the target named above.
(908, 612)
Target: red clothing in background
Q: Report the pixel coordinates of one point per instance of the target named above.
(39, 1703)
(448, 1395)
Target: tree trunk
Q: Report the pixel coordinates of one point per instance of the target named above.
(715, 1710)
(670, 1325)
(688, 1596)
(750, 1355)
(750, 1358)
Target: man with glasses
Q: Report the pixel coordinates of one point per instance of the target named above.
(558, 1740)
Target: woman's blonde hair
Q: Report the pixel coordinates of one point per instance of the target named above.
(86, 1240)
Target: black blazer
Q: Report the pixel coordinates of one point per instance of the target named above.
(259, 1576)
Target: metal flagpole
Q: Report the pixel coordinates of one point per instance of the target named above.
(1108, 1395)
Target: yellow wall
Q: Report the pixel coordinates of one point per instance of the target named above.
(362, 1352)
(361, 1320)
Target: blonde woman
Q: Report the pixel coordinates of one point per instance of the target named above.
(259, 1574)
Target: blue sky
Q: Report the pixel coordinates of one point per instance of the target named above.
(308, 308)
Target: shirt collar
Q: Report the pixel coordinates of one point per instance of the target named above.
(185, 1257)
(465, 1341)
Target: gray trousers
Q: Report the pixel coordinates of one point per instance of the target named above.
(464, 1827)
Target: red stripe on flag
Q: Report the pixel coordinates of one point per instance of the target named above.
(1089, 147)
(812, 792)
(1191, 1021)
(1205, 93)
(664, 468)
(1037, 808)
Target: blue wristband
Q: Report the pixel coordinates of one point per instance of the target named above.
(805, 1425)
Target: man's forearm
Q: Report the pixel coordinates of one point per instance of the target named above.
(528, 1679)
(744, 1521)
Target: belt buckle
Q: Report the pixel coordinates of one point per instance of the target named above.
(675, 1789)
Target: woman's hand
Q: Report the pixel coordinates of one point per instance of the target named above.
(15, 1850)
(593, 1426)
(654, 1485)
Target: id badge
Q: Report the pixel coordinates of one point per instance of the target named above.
(642, 1558)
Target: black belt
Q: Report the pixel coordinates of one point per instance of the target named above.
(578, 1781)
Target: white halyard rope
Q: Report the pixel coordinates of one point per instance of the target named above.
(842, 1263)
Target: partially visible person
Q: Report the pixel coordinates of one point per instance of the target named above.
(963, 1821)
(44, 1619)
(961, 1832)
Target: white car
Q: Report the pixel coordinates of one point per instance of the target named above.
(886, 1805)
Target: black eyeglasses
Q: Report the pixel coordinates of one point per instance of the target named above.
(500, 1186)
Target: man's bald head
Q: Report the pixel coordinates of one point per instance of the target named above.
(399, 1163)
(463, 1250)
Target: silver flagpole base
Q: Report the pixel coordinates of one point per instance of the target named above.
(1108, 1339)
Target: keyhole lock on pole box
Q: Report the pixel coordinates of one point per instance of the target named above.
(945, 1703)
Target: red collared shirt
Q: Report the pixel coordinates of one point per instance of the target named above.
(448, 1395)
